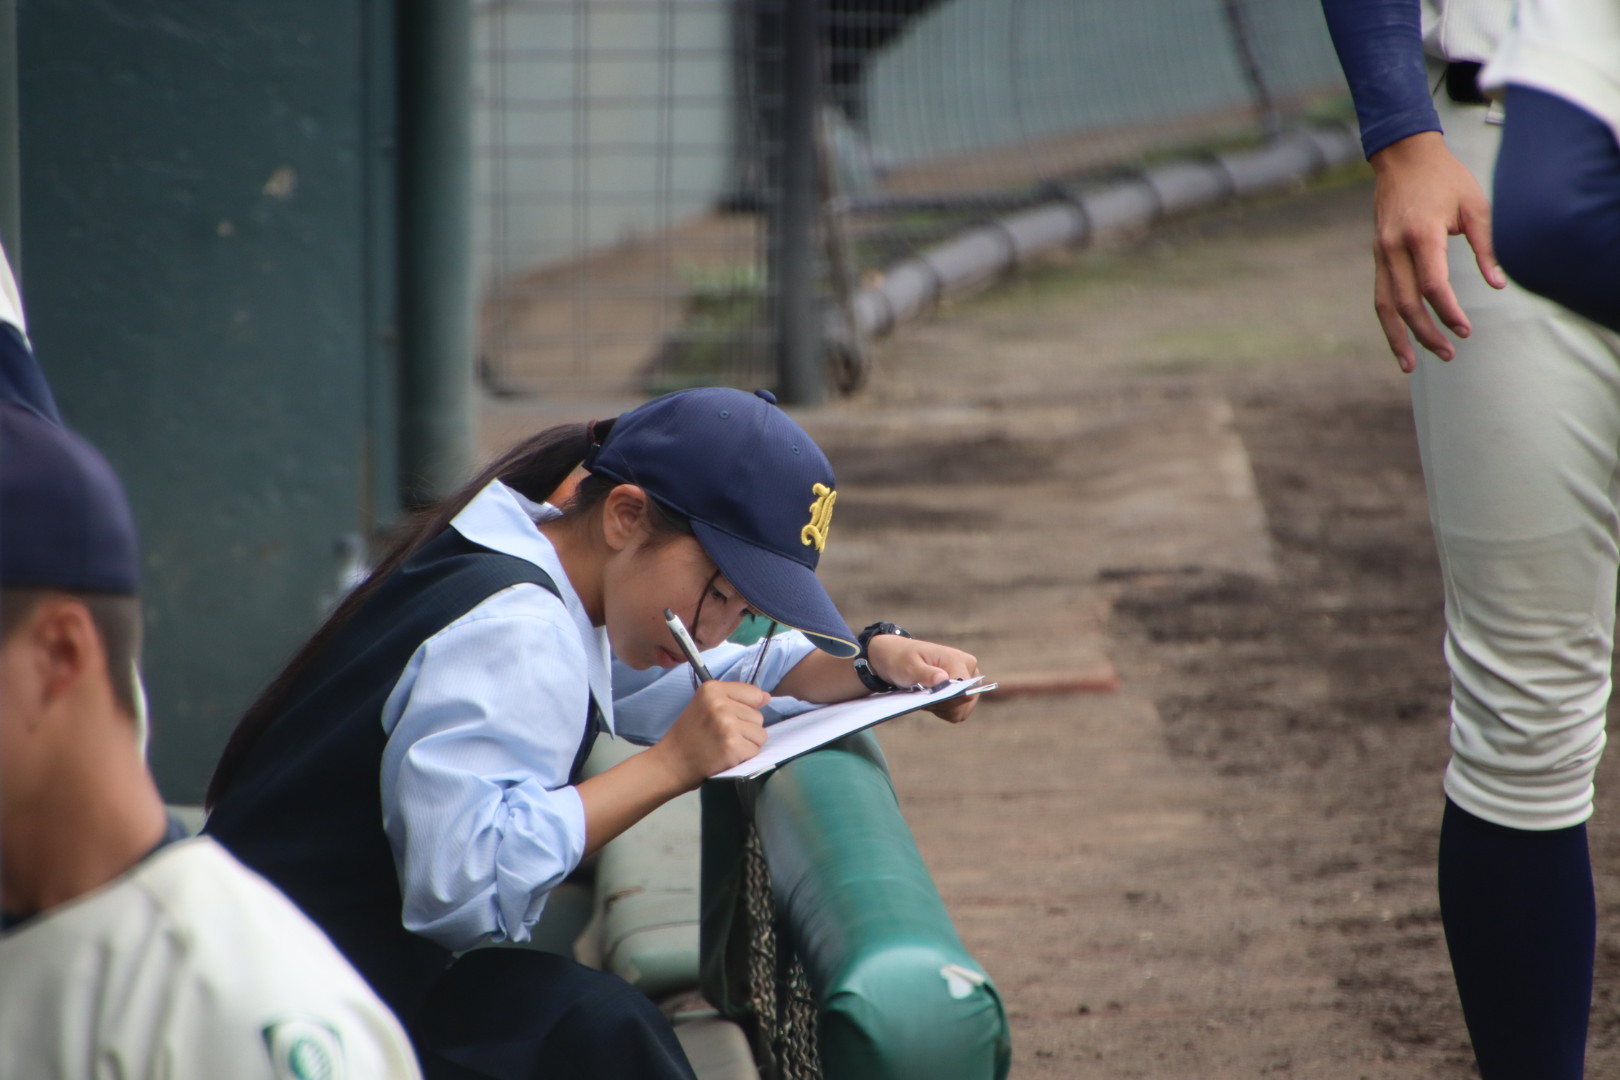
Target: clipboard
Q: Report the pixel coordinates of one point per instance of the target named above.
(798, 735)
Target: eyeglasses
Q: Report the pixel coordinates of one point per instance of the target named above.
(755, 628)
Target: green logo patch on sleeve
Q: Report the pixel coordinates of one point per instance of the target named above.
(304, 1048)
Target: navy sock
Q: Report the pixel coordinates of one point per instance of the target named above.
(1521, 924)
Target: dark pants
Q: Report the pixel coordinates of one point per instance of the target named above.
(514, 1014)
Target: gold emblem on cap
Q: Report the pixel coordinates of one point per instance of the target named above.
(820, 517)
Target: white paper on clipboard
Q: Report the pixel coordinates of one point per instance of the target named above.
(805, 732)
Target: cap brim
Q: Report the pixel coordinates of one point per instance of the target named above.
(780, 589)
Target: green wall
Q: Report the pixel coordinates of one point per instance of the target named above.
(208, 273)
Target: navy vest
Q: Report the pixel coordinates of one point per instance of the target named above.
(305, 806)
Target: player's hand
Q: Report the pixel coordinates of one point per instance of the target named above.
(721, 727)
(908, 662)
(1423, 195)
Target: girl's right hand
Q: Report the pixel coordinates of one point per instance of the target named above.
(722, 727)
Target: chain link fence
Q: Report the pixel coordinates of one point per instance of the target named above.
(676, 192)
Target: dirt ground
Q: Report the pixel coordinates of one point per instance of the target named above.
(1171, 494)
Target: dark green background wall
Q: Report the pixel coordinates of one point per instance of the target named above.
(208, 273)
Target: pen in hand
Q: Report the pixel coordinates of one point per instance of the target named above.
(689, 647)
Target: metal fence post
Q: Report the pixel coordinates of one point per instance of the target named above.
(1265, 105)
(435, 299)
(10, 166)
(800, 361)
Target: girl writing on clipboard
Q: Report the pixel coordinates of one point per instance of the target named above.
(412, 779)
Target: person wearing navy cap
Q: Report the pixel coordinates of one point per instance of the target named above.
(413, 779)
(125, 945)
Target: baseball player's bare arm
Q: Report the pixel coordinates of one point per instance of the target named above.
(1422, 196)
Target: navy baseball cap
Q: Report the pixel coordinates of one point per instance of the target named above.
(758, 492)
(64, 521)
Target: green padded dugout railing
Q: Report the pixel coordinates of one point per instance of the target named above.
(898, 995)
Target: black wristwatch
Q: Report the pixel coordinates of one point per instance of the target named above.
(863, 665)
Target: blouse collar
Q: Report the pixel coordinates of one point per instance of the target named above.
(503, 520)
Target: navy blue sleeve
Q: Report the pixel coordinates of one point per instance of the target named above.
(1556, 211)
(21, 381)
(1380, 47)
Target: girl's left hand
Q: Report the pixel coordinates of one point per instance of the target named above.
(908, 662)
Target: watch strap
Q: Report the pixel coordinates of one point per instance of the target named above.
(870, 679)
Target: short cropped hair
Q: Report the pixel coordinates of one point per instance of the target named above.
(117, 620)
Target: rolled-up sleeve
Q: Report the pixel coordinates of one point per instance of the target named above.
(476, 803)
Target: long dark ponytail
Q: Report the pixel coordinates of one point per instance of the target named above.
(535, 468)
